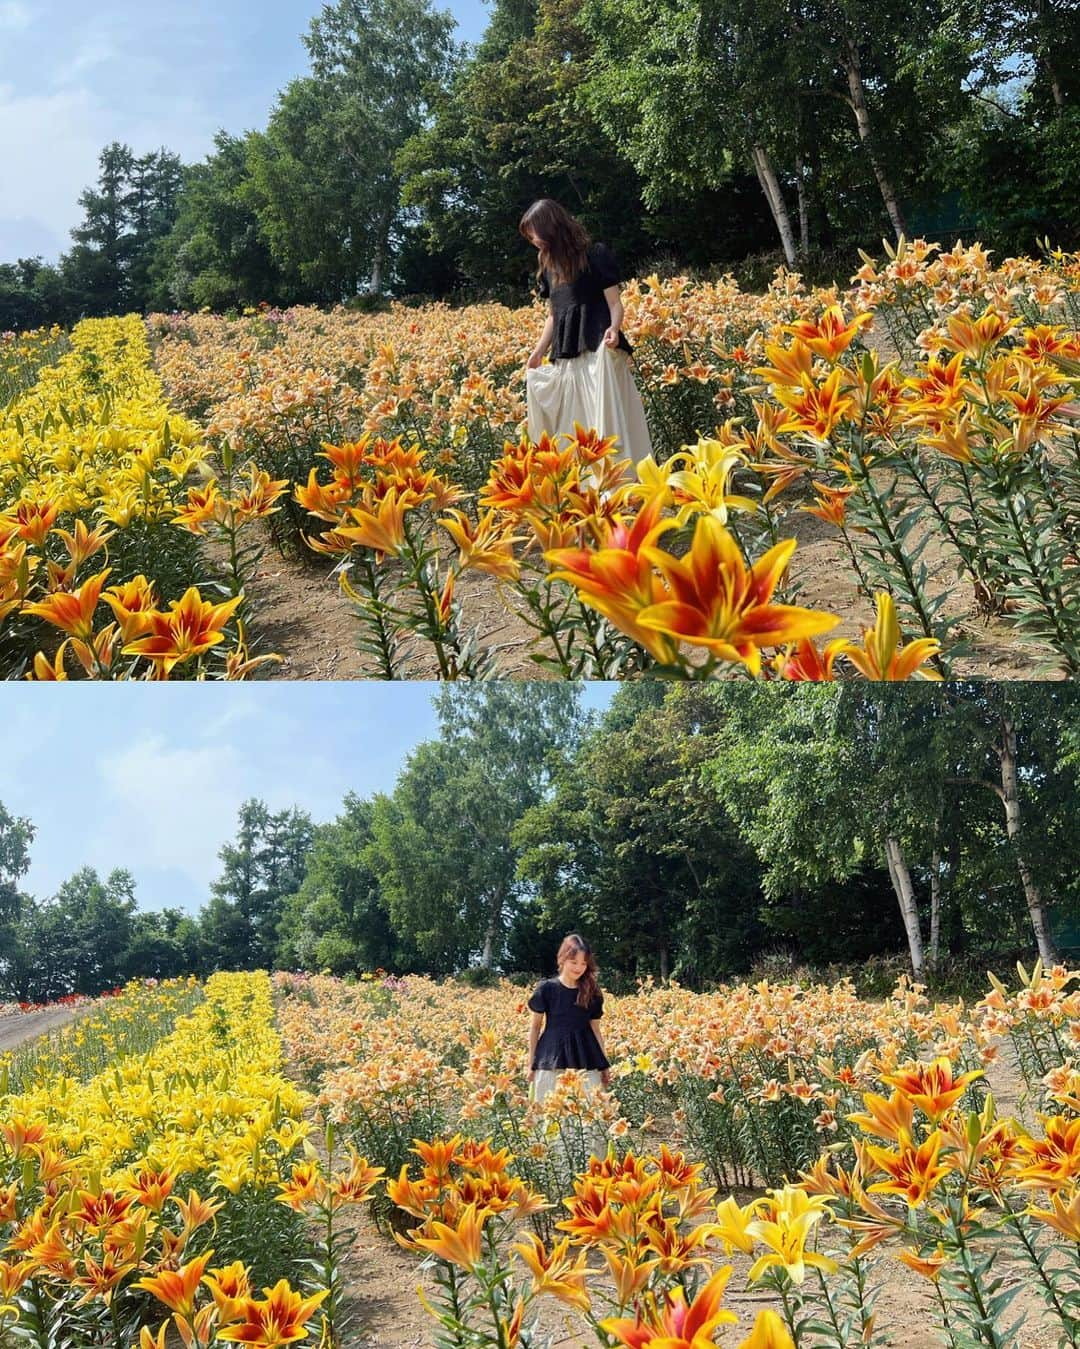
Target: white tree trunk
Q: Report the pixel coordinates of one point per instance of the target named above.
(905, 895)
(773, 195)
(861, 110)
(382, 249)
(1010, 798)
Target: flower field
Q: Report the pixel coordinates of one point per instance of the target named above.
(95, 474)
(158, 1167)
(150, 1179)
(926, 416)
(870, 1127)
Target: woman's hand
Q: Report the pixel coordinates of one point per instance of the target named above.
(530, 1076)
(605, 1078)
(611, 337)
(535, 361)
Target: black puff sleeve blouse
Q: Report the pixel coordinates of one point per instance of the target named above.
(582, 314)
(568, 1040)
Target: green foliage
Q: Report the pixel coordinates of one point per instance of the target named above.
(399, 161)
(239, 927)
(444, 855)
(697, 832)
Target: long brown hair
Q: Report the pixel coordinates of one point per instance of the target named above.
(564, 241)
(588, 985)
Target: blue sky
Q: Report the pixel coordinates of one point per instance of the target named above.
(75, 76)
(151, 777)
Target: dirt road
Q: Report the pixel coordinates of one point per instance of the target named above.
(15, 1030)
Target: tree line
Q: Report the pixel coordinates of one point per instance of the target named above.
(686, 831)
(686, 133)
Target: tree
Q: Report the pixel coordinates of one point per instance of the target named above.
(78, 940)
(216, 255)
(327, 186)
(16, 835)
(1011, 742)
(830, 781)
(630, 849)
(511, 129)
(339, 918)
(97, 265)
(259, 871)
(444, 853)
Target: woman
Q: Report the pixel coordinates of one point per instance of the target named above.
(568, 1008)
(589, 379)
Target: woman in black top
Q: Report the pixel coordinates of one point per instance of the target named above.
(589, 379)
(568, 1008)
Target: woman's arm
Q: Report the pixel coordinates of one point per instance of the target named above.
(535, 1024)
(543, 346)
(614, 298)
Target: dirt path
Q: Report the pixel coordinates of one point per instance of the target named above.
(302, 614)
(17, 1029)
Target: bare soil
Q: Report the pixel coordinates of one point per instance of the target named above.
(22, 1026)
(301, 613)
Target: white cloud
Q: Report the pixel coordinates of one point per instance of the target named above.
(48, 144)
(14, 15)
(96, 51)
(49, 148)
(168, 807)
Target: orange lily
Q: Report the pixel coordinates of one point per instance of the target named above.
(280, 1317)
(177, 1288)
(1052, 1162)
(84, 543)
(203, 504)
(32, 520)
(485, 545)
(831, 505)
(931, 1086)
(257, 501)
(229, 1286)
(913, 1172)
(305, 1186)
(50, 671)
(792, 365)
(815, 410)
(72, 612)
(716, 603)
(460, 1245)
(555, 1272)
(132, 602)
(769, 1332)
(678, 1326)
(805, 663)
(977, 336)
(1064, 1217)
(191, 627)
(617, 578)
(829, 335)
(929, 1266)
(382, 529)
(327, 500)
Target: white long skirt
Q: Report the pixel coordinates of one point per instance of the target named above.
(595, 389)
(546, 1079)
